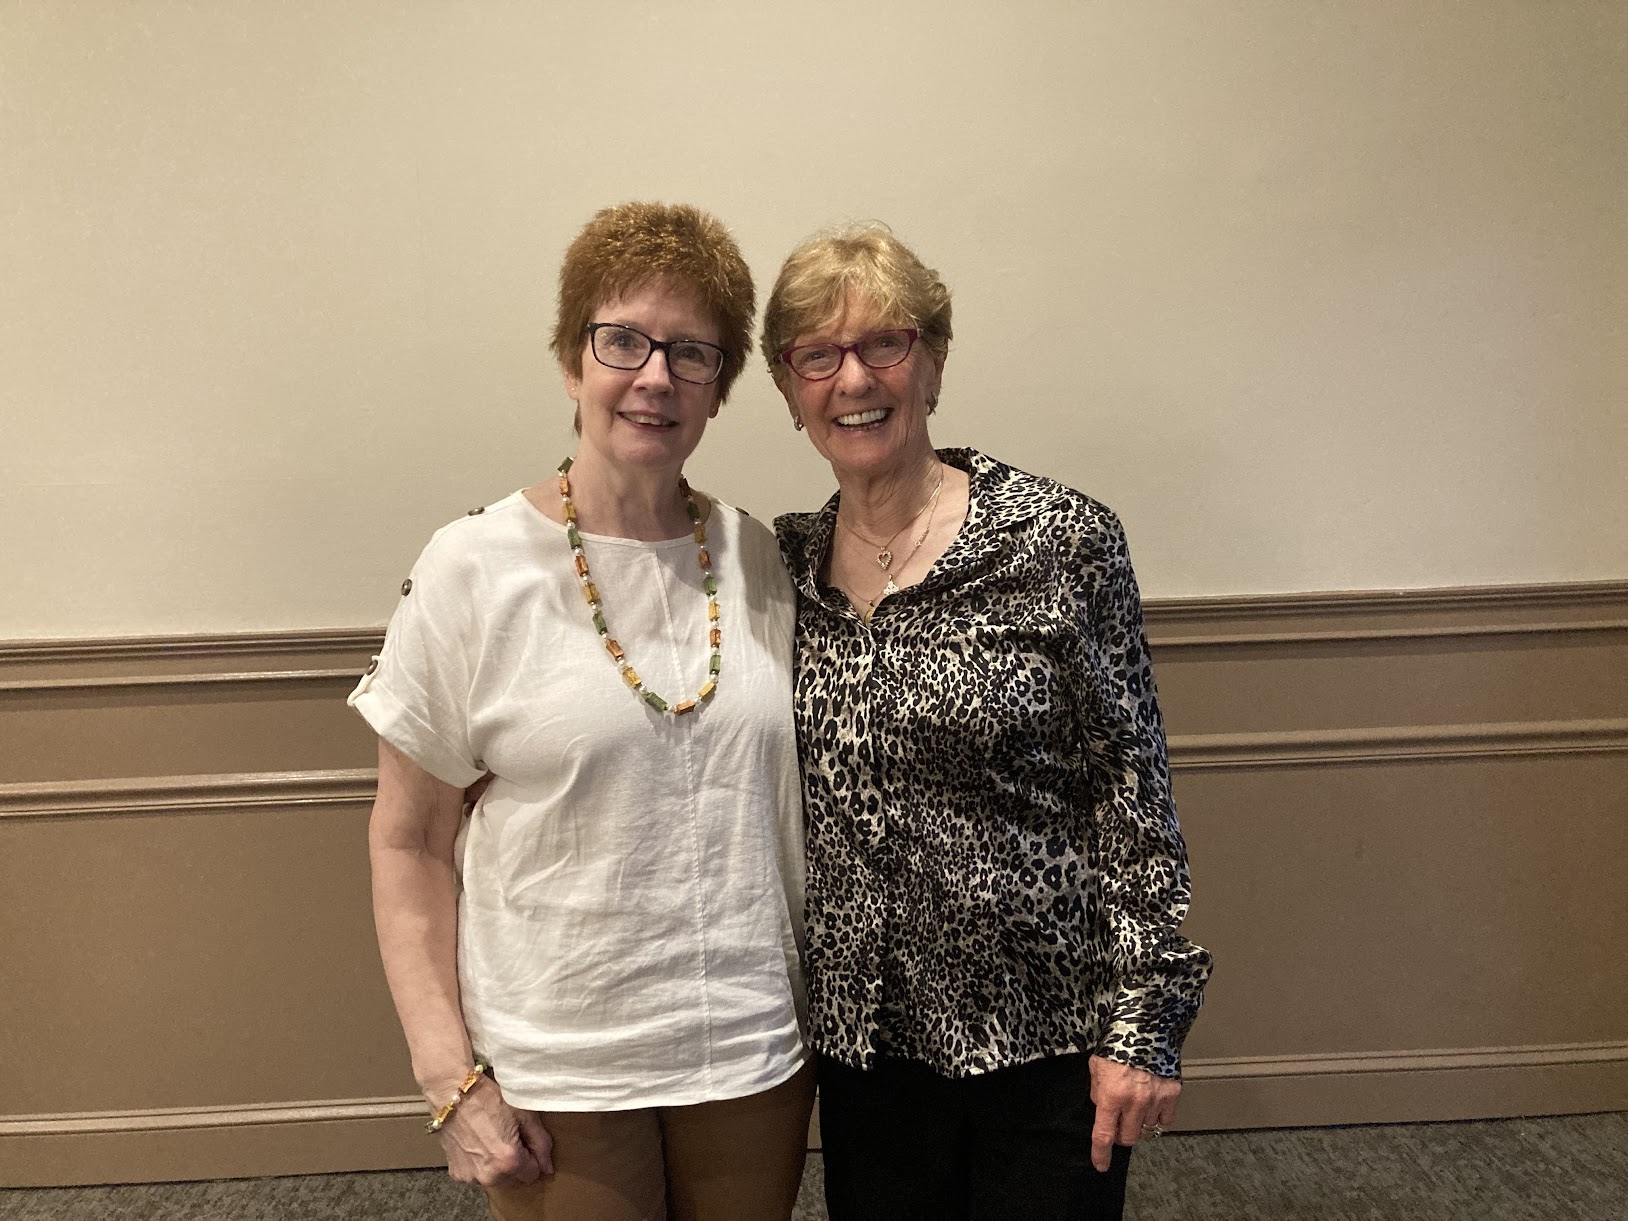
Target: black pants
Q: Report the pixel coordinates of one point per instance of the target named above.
(905, 1144)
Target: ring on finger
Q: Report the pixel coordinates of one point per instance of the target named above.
(1153, 1129)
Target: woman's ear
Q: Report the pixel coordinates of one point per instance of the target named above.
(935, 384)
(573, 391)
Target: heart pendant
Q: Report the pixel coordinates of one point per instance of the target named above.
(884, 559)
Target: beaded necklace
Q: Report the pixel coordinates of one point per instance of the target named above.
(591, 592)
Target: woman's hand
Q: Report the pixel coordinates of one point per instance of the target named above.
(491, 1143)
(1130, 1102)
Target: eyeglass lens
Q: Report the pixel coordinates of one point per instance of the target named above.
(621, 347)
(882, 350)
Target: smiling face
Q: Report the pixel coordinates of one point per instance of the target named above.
(645, 419)
(865, 421)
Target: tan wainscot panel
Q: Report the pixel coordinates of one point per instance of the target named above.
(212, 964)
(181, 707)
(1404, 810)
(1393, 663)
(1409, 939)
(1396, 807)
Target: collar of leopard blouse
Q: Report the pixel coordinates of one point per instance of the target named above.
(1000, 497)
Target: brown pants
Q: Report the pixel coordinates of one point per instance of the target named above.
(740, 1159)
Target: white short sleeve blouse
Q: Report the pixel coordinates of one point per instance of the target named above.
(631, 910)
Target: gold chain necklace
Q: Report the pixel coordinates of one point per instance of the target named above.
(884, 556)
(591, 592)
(888, 587)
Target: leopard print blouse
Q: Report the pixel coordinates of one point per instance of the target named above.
(995, 871)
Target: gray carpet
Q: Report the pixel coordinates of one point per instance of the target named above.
(1572, 1168)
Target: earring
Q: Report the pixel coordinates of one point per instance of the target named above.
(797, 424)
(932, 403)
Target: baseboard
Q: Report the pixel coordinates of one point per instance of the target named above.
(1412, 1087)
(227, 1151)
(387, 1133)
(215, 1142)
(322, 1137)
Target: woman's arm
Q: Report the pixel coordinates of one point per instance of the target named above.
(415, 909)
(1141, 861)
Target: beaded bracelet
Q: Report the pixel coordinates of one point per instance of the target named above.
(445, 1113)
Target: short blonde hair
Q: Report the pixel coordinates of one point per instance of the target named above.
(860, 264)
(632, 245)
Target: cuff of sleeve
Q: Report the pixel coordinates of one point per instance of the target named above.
(399, 727)
(1147, 1030)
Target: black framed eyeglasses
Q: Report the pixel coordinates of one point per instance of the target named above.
(815, 362)
(621, 347)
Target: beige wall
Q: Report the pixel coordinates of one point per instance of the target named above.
(1343, 290)
(1340, 285)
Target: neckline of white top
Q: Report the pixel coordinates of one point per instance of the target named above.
(687, 539)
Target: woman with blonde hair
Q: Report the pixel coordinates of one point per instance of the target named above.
(998, 989)
(597, 971)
